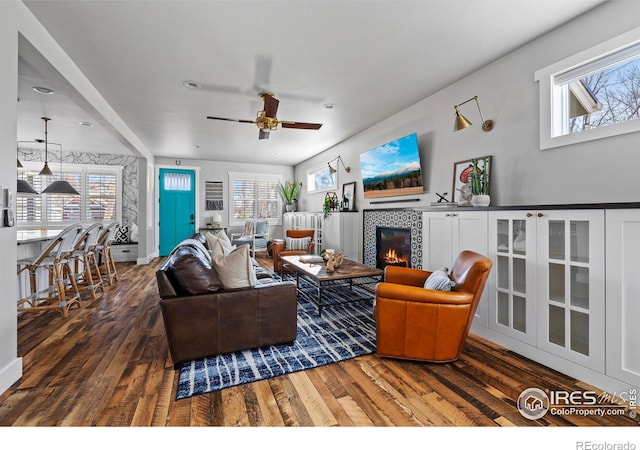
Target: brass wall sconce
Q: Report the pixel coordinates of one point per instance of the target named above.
(332, 170)
(462, 122)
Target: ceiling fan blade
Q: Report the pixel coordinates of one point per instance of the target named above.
(231, 120)
(270, 105)
(301, 125)
(263, 134)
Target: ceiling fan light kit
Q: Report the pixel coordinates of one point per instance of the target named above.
(267, 121)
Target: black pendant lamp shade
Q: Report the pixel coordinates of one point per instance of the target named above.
(45, 170)
(25, 188)
(59, 186)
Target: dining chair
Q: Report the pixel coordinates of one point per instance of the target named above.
(106, 264)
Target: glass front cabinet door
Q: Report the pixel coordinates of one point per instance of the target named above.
(571, 295)
(512, 246)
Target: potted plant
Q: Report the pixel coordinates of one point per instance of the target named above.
(480, 182)
(330, 203)
(289, 193)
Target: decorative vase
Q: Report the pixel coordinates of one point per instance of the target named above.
(480, 200)
(290, 207)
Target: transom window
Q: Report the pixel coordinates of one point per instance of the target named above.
(254, 196)
(592, 95)
(321, 179)
(100, 199)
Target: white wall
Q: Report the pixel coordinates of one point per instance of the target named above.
(218, 171)
(600, 171)
(10, 364)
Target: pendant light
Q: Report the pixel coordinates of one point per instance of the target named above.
(45, 170)
(58, 186)
(23, 186)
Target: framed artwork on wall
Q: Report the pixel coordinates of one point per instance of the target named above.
(349, 196)
(461, 190)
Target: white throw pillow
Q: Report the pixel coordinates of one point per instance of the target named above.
(218, 246)
(297, 243)
(235, 269)
(133, 233)
(439, 280)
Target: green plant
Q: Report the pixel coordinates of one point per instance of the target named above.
(289, 191)
(480, 177)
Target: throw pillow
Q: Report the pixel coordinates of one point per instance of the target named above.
(192, 271)
(217, 245)
(235, 269)
(133, 233)
(225, 239)
(440, 281)
(297, 243)
(121, 235)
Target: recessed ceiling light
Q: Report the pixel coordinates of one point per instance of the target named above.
(274, 154)
(328, 106)
(42, 90)
(196, 147)
(86, 124)
(191, 84)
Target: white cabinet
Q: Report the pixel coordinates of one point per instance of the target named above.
(305, 221)
(547, 285)
(342, 231)
(623, 295)
(447, 233)
(512, 291)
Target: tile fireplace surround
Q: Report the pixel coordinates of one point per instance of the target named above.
(398, 218)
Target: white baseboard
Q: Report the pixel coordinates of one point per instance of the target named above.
(10, 374)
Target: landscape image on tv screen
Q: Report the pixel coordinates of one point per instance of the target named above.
(392, 169)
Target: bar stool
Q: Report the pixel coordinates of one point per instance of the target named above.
(106, 264)
(85, 267)
(61, 292)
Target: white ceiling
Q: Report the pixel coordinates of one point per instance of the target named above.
(369, 58)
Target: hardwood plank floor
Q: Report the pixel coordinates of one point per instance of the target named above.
(108, 365)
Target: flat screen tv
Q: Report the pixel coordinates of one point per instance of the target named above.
(392, 169)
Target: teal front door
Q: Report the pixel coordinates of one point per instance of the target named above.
(177, 207)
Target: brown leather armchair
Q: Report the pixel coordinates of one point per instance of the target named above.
(278, 247)
(423, 324)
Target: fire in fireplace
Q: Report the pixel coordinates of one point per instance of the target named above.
(393, 247)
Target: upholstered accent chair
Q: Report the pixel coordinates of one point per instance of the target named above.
(413, 322)
(296, 242)
(255, 234)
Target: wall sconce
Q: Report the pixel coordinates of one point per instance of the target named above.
(332, 170)
(462, 122)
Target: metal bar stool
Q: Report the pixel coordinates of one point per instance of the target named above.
(85, 267)
(61, 293)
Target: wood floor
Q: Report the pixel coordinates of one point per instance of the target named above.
(108, 365)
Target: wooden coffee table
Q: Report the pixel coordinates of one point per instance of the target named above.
(349, 274)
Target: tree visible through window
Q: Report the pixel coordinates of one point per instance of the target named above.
(615, 92)
(591, 95)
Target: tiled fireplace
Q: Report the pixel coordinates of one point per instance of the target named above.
(403, 226)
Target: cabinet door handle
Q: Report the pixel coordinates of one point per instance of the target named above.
(540, 214)
(529, 214)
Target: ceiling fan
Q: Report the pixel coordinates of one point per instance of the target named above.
(266, 119)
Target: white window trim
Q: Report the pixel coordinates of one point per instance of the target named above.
(262, 176)
(37, 165)
(545, 78)
(324, 189)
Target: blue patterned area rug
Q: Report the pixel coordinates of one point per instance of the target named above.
(344, 331)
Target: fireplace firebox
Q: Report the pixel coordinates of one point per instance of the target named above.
(393, 247)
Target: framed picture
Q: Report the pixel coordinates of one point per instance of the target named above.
(349, 196)
(461, 190)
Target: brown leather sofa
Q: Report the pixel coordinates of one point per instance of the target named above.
(278, 247)
(424, 324)
(202, 318)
